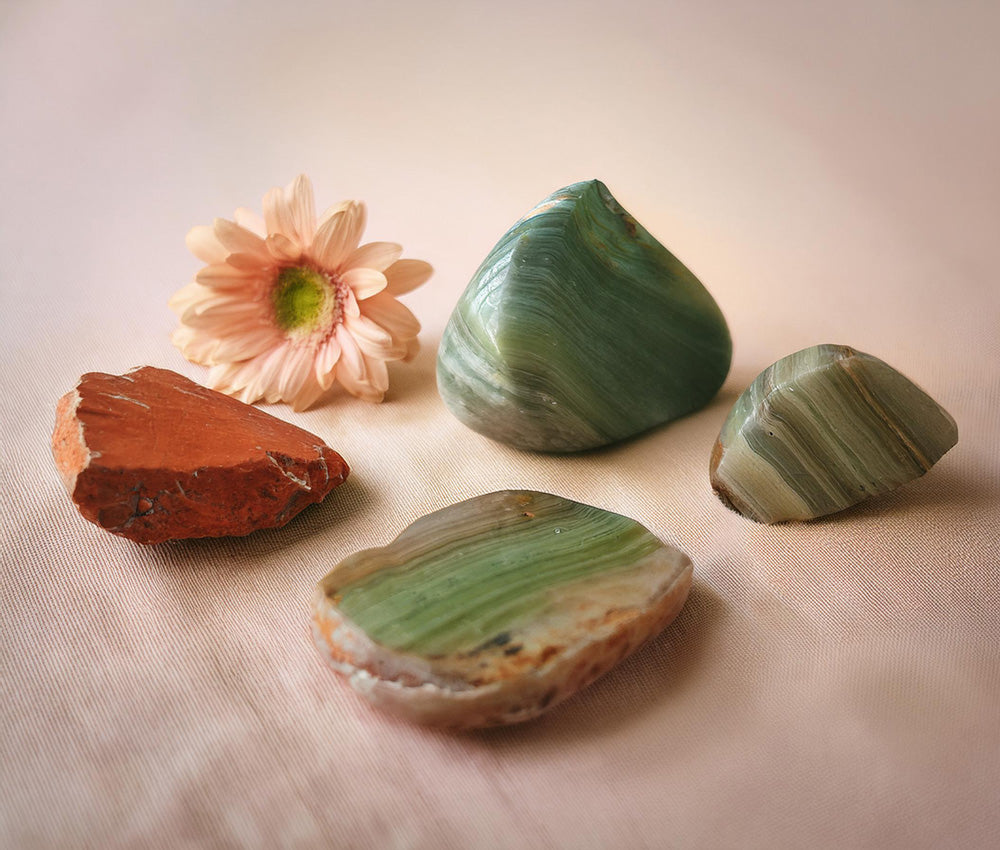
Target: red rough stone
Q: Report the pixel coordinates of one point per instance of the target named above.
(152, 456)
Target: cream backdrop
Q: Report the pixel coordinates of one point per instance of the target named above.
(829, 170)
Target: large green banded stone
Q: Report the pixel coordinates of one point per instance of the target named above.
(823, 429)
(579, 329)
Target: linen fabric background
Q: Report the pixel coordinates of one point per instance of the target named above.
(828, 170)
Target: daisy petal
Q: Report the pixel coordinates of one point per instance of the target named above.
(391, 315)
(201, 242)
(294, 373)
(302, 207)
(260, 373)
(374, 255)
(249, 220)
(253, 263)
(221, 377)
(351, 359)
(222, 306)
(350, 304)
(195, 346)
(291, 212)
(308, 394)
(243, 346)
(364, 282)
(339, 235)
(219, 314)
(373, 340)
(353, 369)
(277, 216)
(330, 212)
(378, 374)
(239, 240)
(326, 362)
(187, 296)
(225, 276)
(356, 387)
(412, 349)
(242, 380)
(282, 248)
(406, 275)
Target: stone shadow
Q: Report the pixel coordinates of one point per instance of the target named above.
(351, 499)
(943, 489)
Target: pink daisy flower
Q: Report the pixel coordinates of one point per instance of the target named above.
(287, 305)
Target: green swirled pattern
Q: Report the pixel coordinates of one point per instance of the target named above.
(489, 567)
(579, 329)
(823, 429)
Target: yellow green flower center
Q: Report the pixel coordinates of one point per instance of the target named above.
(304, 300)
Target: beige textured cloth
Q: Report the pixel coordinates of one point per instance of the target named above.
(828, 170)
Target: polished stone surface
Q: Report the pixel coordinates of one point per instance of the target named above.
(579, 329)
(823, 429)
(494, 609)
(152, 456)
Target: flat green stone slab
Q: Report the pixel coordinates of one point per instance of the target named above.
(823, 429)
(579, 329)
(494, 609)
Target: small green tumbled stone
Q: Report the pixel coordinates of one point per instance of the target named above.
(823, 429)
(579, 329)
(494, 609)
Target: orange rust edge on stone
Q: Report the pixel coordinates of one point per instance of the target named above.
(728, 498)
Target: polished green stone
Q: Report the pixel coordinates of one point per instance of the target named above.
(823, 429)
(497, 608)
(579, 329)
(485, 567)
